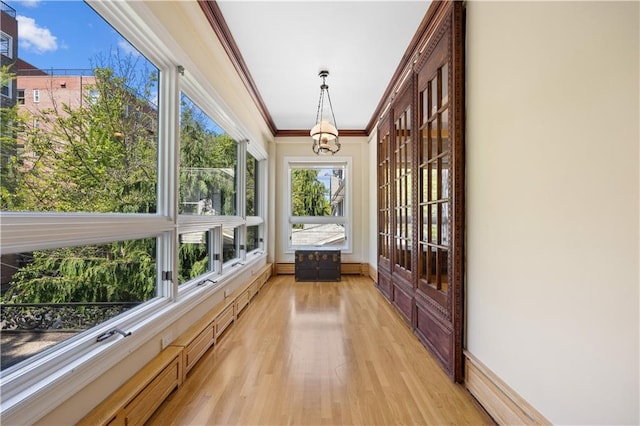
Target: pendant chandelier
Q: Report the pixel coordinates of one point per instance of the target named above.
(325, 134)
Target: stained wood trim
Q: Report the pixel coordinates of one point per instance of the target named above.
(218, 24)
(346, 268)
(305, 133)
(497, 398)
(435, 13)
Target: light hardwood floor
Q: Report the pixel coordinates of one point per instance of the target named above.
(318, 353)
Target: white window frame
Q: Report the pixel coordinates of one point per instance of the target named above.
(9, 86)
(289, 219)
(9, 39)
(36, 96)
(60, 373)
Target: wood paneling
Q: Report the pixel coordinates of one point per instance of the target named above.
(421, 162)
(138, 398)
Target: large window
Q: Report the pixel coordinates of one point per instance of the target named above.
(318, 203)
(105, 224)
(73, 268)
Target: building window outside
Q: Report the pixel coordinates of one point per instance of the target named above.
(5, 90)
(20, 97)
(318, 204)
(6, 45)
(36, 95)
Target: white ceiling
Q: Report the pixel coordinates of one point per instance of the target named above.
(286, 43)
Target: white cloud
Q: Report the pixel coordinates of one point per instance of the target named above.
(30, 3)
(35, 38)
(127, 48)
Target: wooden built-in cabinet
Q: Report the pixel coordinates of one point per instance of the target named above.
(421, 187)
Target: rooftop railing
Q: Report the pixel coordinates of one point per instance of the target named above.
(30, 72)
(5, 8)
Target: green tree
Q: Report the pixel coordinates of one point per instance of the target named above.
(208, 164)
(10, 124)
(99, 157)
(308, 195)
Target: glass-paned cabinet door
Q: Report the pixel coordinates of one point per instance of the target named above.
(403, 210)
(434, 185)
(384, 194)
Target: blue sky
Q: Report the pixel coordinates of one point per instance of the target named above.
(63, 34)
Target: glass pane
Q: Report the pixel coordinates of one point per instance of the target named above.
(433, 167)
(424, 107)
(424, 145)
(95, 146)
(318, 191)
(253, 238)
(444, 131)
(445, 84)
(229, 246)
(434, 95)
(432, 273)
(444, 176)
(252, 186)
(423, 262)
(444, 224)
(433, 131)
(424, 236)
(208, 161)
(193, 255)
(331, 234)
(443, 262)
(433, 211)
(53, 295)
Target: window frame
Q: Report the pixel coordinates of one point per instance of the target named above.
(63, 370)
(290, 163)
(9, 44)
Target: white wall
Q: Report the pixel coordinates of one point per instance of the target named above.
(552, 204)
(354, 147)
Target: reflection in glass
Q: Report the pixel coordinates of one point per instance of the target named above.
(208, 162)
(434, 95)
(253, 238)
(444, 223)
(444, 72)
(444, 177)
(229, 246)
(444, 131)
(193, 255)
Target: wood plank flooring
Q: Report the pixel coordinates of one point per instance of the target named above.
(318, 353)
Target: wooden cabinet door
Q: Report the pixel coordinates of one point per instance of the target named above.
(440, 210)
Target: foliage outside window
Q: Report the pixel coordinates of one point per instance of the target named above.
(56, 294)
(318, 204)
(87, 171)
(252, 179)
(66, 154)
(208, 162)
(193, 255)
